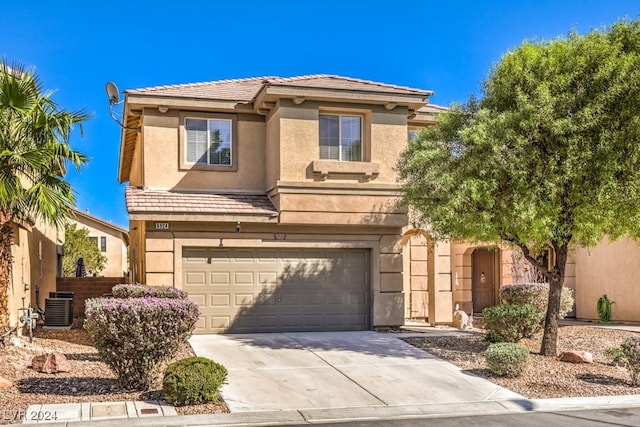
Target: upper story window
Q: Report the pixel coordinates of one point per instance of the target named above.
(341, 137)
(103, 244)
(208, 142)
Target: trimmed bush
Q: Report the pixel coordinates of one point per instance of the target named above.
(536, 294)
(507, 359)
(630, 350)
(511, 322)
(192, 381)
(133, 335)
(144, 291)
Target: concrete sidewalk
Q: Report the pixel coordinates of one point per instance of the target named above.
(400, 412)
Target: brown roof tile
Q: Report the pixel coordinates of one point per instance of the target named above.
(156, 201)
(244, 90)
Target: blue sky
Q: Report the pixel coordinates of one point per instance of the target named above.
(447, 46)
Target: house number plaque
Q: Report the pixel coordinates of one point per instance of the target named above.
(162, 225)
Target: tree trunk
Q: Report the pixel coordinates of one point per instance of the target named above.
(6, 238)
(556, 281)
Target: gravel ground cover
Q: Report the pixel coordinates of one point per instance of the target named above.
(90, 380)
(544, 377)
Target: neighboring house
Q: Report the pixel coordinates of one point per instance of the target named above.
(272, 201)
(110, 239)
(37, 261)
(611, 268)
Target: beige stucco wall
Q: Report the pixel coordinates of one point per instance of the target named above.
(136, 176)
(117, 265)
(611, 268)
(272, 150)
(35, 263)
(384, 134)
(162, 149)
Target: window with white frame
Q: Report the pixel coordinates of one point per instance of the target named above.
(208, 142)
(341, 137)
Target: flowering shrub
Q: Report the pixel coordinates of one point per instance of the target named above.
(507, 359)
(630, 350)
(510, 322)
(141, 291)
(133, 335)
(536, 294)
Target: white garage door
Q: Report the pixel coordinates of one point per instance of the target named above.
(278, 290)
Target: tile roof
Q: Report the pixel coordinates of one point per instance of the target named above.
(244, 90)
(157, 201)
(231, 90)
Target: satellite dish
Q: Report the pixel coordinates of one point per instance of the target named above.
(113, 93)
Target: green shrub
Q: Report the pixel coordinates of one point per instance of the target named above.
(192, 381)
(507, 359)
(133, 335)
(536, 294)
(142, 291)
(511, 322)
(630, 349)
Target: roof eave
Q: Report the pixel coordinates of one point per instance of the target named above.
(271, 92)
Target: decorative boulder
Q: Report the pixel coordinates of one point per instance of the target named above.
(5, 383)
(51, 363)
(576, 357)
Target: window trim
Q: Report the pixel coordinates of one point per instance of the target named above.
(182, 142)
(103, 244)
(362, 118)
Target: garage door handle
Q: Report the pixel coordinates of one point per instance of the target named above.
(278, 299)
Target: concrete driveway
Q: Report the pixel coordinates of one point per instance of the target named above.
(305, 370)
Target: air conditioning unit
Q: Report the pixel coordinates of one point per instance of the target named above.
(58, 312)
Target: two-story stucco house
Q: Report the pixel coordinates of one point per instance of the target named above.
(272, 201)
(110, 239)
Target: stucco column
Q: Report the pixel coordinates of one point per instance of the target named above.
(440, 291)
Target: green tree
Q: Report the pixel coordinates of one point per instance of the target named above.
(34, 154)
(549, 156)
(78, 245)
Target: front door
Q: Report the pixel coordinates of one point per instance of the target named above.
(483, 279)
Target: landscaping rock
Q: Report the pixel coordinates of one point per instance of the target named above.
(576, 357)
(5, 383)
(51, 363)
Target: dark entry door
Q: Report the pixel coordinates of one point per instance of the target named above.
(483, 279)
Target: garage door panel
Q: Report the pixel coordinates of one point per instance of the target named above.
(268, 277)
(195, 278)
(243, 300)
(200, 299)
(243, 278)
(270, 290)
(220, 278)
(220, 300)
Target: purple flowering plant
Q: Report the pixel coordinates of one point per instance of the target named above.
(133, 335)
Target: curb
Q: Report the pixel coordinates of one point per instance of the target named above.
(319, 416)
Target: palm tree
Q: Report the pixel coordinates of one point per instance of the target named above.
(34, 153)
